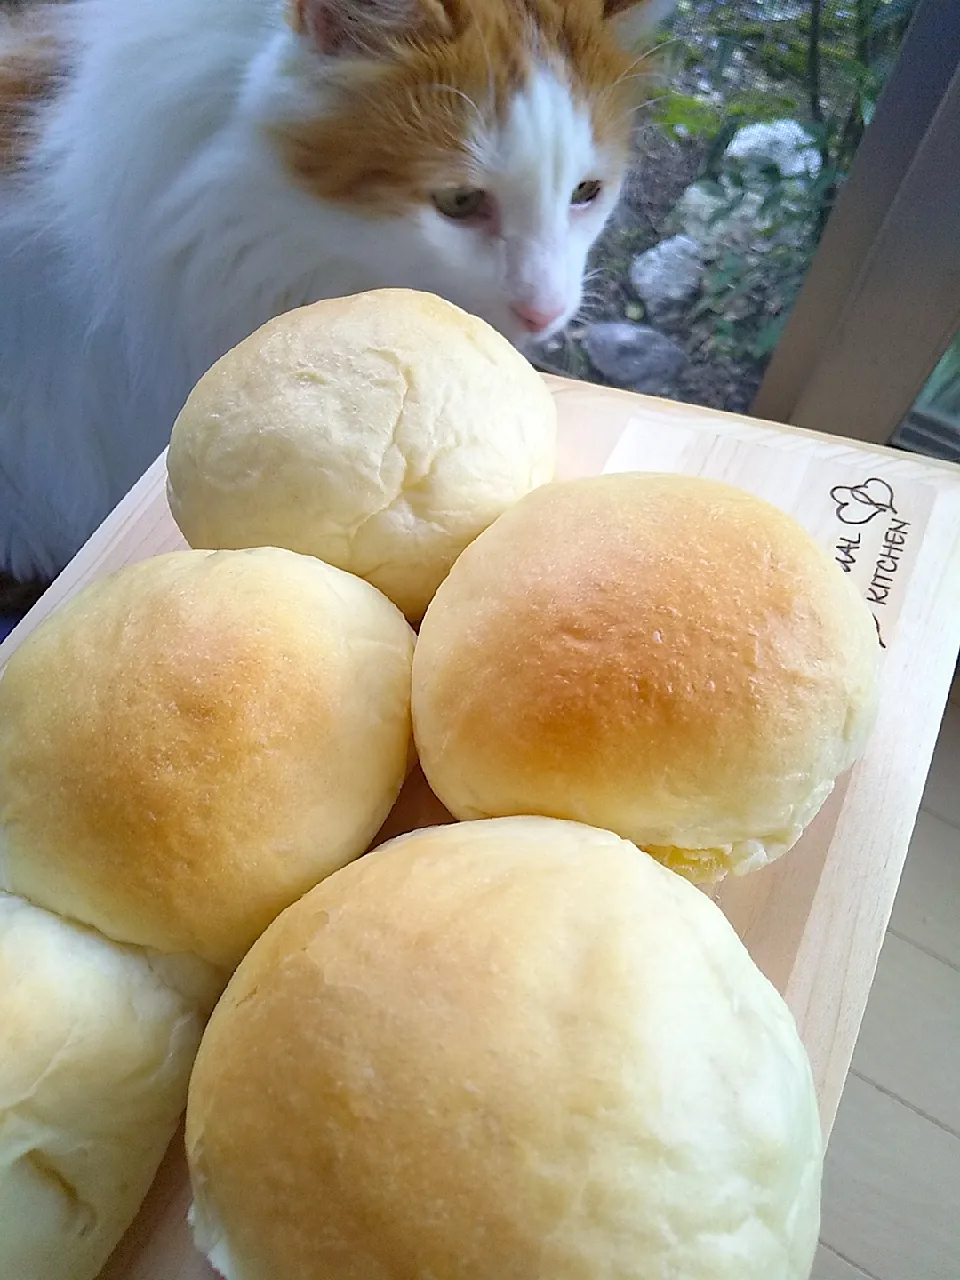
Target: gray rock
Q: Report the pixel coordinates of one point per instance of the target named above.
(715, 221)
(667, 274)
(717, 218)
(635, 356)
(785, 142)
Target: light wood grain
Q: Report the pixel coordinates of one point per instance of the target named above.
(927, 909)
(830, 1266)
(910, 1037)
(890, 1192)
(814, 922)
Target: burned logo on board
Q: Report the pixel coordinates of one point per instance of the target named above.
(866, 509)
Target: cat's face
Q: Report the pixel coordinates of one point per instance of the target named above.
(485, 139)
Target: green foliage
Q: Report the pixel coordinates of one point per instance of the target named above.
(819, 62)
(684, 114)
(748, 290)
(942, 392)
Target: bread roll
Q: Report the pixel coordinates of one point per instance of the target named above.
(191, 744)
(185, 748)
(498, 1051)
(96, 1046)
(664, 656)
(380, 432)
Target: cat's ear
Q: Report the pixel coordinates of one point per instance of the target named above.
(366, 27)
(640, 15)
(633, 21)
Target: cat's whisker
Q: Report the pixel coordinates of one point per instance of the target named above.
(491, 81)
(637, 75)
(650, 53)
(632, 73)
(651, 102)
(560, 358)
(589, 311)
(630, 112)
(458, 93)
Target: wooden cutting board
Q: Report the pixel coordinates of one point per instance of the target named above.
(815, 920)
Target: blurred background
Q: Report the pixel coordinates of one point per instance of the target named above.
(788, 244)
(777, 205)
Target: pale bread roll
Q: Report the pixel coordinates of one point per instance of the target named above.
(497, 1051)
(192, 743)
(665, 656)
(380, 432)
(96, 1046)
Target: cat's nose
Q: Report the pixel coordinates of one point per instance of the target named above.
(536, 319)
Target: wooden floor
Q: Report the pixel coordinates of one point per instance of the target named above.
(891, 1195)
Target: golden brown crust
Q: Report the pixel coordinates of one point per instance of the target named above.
(662, 655)
(502, 1050)
(191, 744)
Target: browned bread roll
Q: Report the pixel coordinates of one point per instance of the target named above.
(185, 748)
(665, 656)
(191, 744)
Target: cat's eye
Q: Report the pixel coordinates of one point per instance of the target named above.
(462, 203)
(586, 192)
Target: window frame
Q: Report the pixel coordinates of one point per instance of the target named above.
(881, 300)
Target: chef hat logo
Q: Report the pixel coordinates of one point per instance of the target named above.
(860, 503)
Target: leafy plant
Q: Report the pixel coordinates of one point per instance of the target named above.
(748, 289)
(686, 115)
(821, 63)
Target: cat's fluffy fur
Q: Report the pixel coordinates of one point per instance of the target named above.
(175, 172)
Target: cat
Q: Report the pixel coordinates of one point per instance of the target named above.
(173, 173)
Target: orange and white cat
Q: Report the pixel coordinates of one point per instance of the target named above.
(175, 172)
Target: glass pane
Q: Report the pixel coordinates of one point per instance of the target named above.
(737, 164)
(932, 426)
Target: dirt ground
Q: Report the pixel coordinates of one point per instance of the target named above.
(663, 168)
